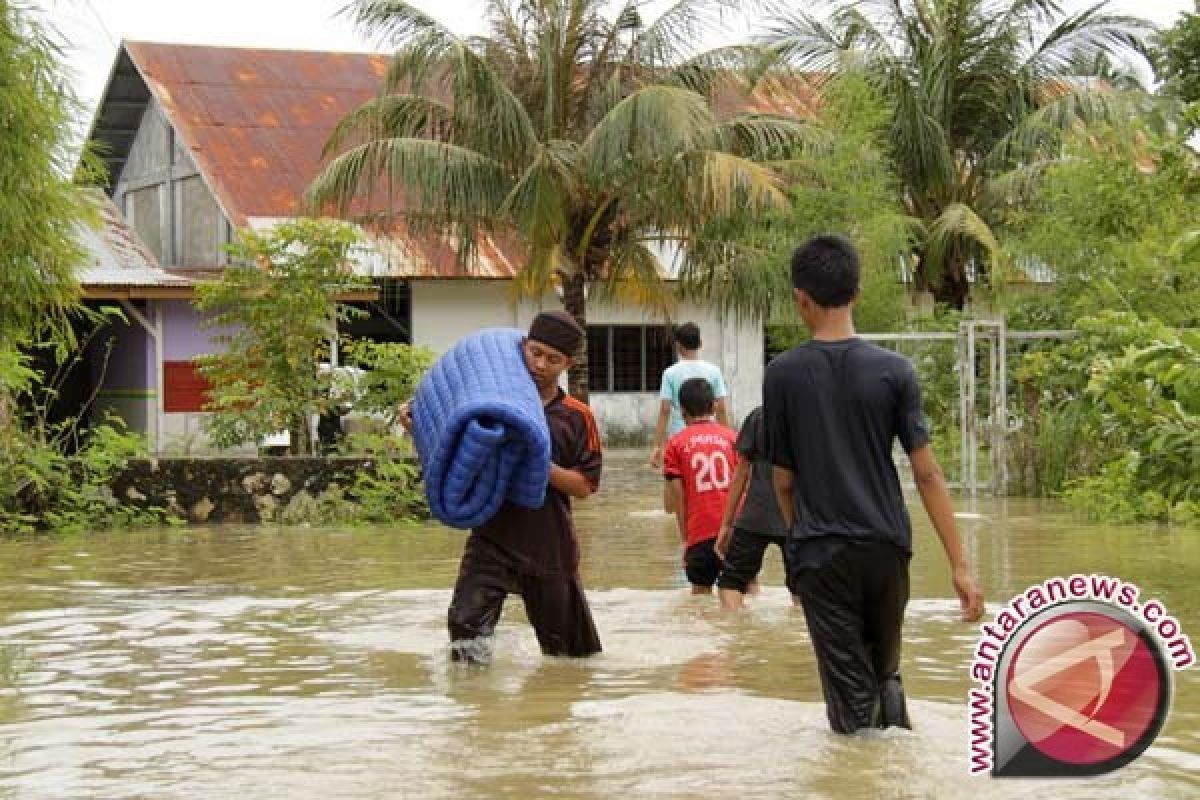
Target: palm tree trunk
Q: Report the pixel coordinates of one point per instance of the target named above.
(953, 289)
(575, 304)
(954, 283)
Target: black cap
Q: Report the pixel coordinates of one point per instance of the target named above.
(558, 329)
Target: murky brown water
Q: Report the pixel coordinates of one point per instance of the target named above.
(246, 663)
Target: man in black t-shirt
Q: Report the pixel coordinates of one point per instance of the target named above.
(833, 407)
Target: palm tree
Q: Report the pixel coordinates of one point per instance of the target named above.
(982, 92)
(588, 135)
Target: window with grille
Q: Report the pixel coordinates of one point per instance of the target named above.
(628, 358)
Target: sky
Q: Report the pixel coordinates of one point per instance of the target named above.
(93, 28)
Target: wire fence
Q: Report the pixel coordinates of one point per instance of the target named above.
(975, 404)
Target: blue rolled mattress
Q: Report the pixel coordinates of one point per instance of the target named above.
(480, 430)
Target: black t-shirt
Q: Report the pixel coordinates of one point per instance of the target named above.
(760, 513)
(833, 410)
(542, 541)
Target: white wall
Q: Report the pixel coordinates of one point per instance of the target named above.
(445, 310)
(626, 414)
(734, 346)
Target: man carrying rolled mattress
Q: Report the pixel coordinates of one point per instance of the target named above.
(534, 552)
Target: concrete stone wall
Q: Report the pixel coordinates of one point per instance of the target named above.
(235, 490)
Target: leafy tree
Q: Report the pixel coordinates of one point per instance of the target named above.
(52, 475)
(1177, 58)
(1115, 220)
(979, 88)
(392, 372)
(848, 186)
(40, 209)
(275, 310)
(589, 132)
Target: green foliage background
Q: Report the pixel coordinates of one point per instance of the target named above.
(1177, 60)
(51, 475)
(847, 186)
(41, 208)
(1117, 220)
(1116, 417)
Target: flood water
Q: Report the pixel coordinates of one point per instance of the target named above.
(247, 663)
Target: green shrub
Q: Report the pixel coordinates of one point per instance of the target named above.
(42, 487)
(1120, 494)
(56, 475)
(1116, 418)
(393, 371)
(392, 491)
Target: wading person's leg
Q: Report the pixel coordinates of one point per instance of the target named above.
(832, 599)
(787, 567)
(702, 566)
(740, 571)
(483, 582)
(558, 610)
(887, 590)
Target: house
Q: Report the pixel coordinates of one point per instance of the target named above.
(200, 141)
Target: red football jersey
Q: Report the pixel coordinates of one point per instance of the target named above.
(702, 455)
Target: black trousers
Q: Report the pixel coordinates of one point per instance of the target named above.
(556, 605)
(744, 560)
(854, 607)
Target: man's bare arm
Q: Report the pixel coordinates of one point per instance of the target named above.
(570, 482)
(931, 484)
(741, 478)
(660, 433)
(722, 410)
(675, 491)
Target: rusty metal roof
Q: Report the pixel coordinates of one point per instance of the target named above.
(791, 96)
(116, 256)
(255, 122)
(395, 252)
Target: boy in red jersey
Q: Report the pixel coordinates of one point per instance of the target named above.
(698, 465)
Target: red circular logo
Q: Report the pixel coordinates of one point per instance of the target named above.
(1085, 688)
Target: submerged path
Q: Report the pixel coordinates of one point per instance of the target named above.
(213, 663)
